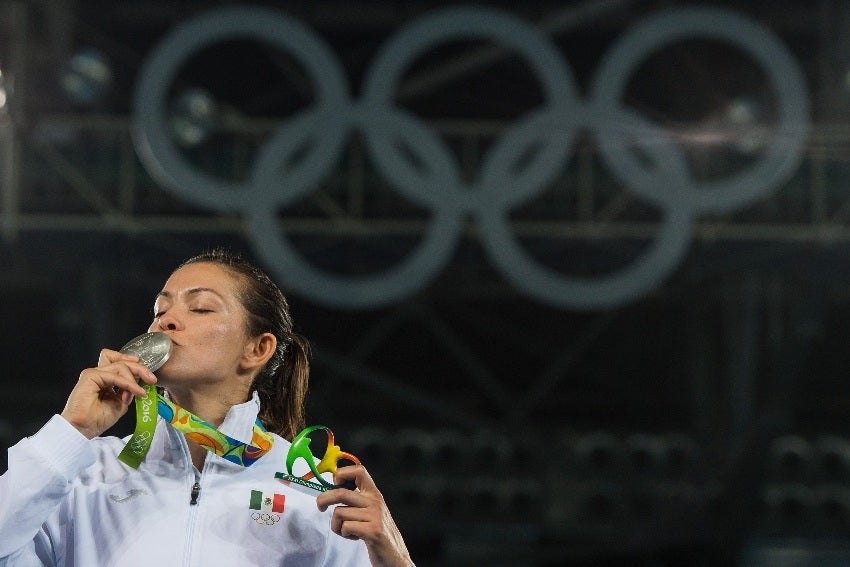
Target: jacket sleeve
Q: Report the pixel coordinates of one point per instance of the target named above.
(41, 472)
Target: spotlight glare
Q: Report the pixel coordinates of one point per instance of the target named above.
(194, 116)
(4, 94)
(86, 77)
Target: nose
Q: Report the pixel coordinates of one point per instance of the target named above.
(168, 321)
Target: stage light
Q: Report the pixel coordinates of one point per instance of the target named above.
(4, 94)
(449, 450)
(194, 116)
(598, 451)
(790, 457)
(745, 117)
(370, 445)
(646, 453)
(87, 77)
(788, 502)
(415, 448)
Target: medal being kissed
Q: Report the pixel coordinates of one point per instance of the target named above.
(153, 349)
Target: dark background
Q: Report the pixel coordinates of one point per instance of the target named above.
(705, 423)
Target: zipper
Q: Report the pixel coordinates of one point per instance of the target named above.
(193, 515)
(194, 493)
(196, 490)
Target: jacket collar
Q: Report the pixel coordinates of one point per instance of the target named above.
(240, 419)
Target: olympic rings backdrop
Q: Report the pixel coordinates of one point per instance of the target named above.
(502, 184)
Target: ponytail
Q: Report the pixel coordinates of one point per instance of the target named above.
(283, 391)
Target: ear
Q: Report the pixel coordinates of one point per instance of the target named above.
(258, 351)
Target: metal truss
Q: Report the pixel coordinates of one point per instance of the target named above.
(103, 190)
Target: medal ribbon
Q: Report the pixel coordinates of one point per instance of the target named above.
(194, 428)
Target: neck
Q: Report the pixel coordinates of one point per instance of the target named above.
(211, 406)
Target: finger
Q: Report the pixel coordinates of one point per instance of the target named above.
(341, 496)
(101, 379)
(108, 356)
(135, 370)
(128, 374)
(369, 530)
(344, 518)
(127, 397)
(143, 372)
(358, 473)
(348, 530)
(356, 530)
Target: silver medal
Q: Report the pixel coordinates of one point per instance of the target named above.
(153, 349)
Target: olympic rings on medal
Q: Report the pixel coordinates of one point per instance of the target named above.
(640, 154)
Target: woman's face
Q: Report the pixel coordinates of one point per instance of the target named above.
(199, 309)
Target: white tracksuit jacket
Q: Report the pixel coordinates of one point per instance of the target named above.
(68, 501)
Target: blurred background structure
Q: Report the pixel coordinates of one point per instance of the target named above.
(577, 273)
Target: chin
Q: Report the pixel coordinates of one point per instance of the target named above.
(176, 377)
(164, 375)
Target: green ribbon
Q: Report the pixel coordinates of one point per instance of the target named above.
(137, 447)
(306, 483)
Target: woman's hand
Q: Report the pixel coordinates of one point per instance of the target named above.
(363, 514)
(103, 394)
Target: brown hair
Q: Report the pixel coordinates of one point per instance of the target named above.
(282, 382)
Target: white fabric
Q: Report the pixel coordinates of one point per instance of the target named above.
(68, 501)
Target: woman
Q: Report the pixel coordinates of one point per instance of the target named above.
(235, 363)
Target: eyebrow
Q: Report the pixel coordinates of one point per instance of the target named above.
(193, 291)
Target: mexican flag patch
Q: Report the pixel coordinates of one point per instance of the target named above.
(268, 502)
